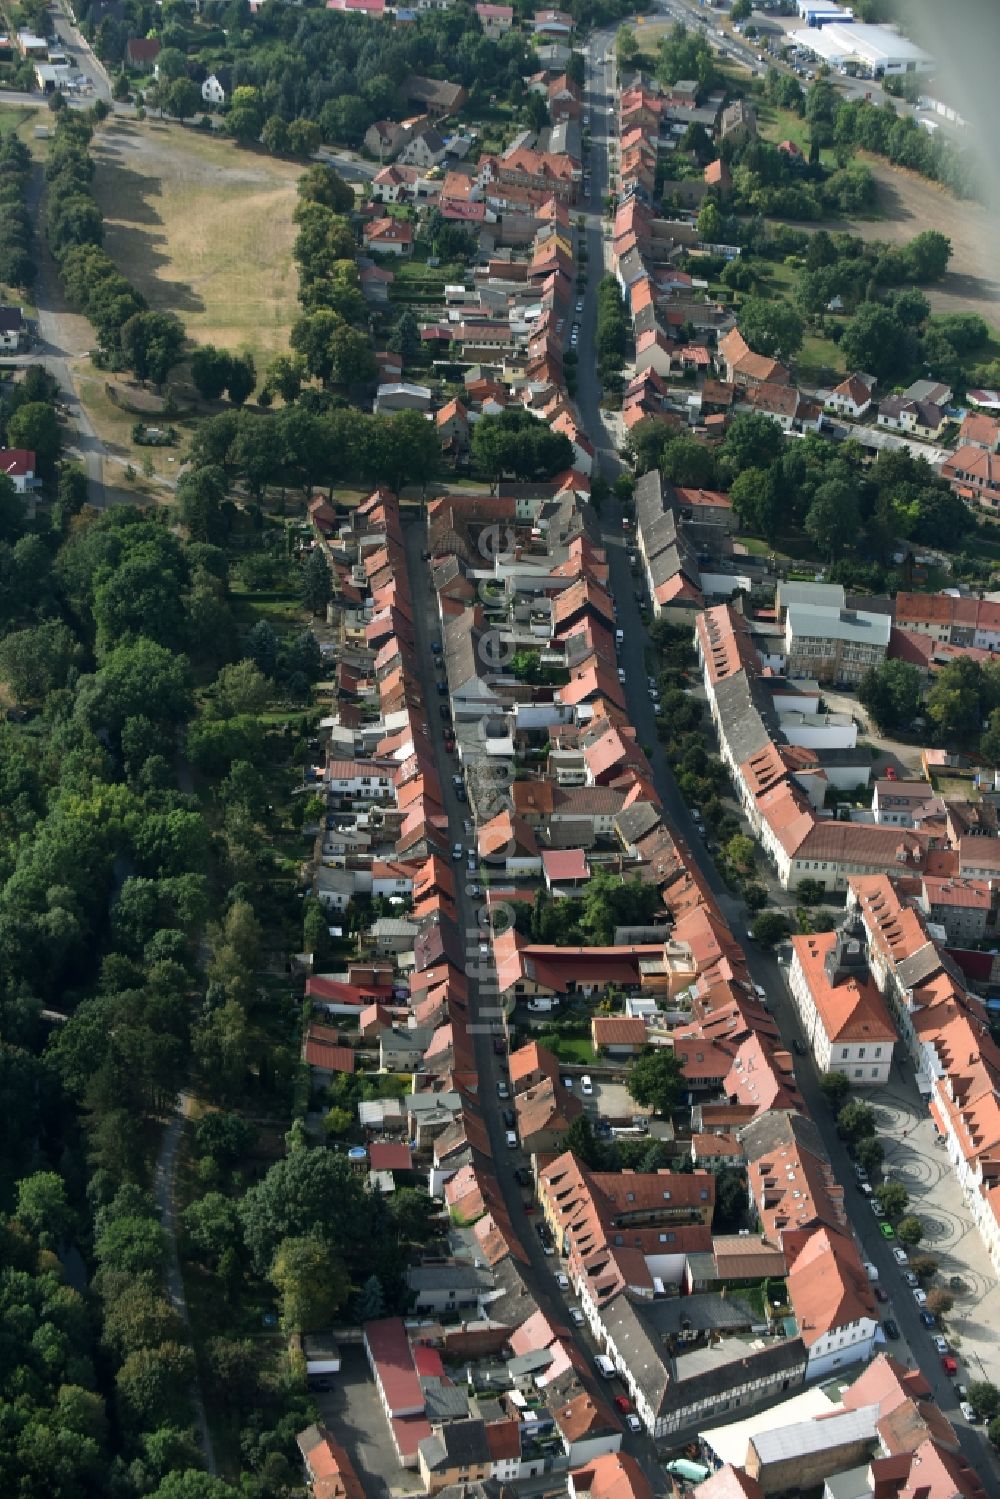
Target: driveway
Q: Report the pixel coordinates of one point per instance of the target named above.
(353, 1412)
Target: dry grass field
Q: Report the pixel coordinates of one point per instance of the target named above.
(203, 229)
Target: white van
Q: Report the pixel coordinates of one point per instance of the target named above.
(604, 1366)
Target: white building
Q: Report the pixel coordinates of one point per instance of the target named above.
(842, 1012)
(212, 91)
(876, 50)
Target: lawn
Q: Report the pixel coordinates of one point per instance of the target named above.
(203, 229)
(20, 120)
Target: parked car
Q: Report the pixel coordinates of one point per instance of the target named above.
(949, 1364)
(634, 1424)
(972, 1416)
(888, 1232)
(503, 1090)
(511, 1139)
(890, 1329)
(509, 1118)
(562, 1281)
(604, 1366)
(457, 851)
(928, 1319)
(920, 1297)
(567, 1082)
(881, 1294)
(910, 1278)
(623, 1404)
(576, 1316)
(586, 1086)
(800, 1051)
(499, 1046)
(900, 1256)
(941, 1345)
(461, 794)
(860, 1172)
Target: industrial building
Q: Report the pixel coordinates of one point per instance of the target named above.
(875, 50)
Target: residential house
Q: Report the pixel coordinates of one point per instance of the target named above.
(741, 366)
(389, 236)
(141, 52)
(738, 122)
(452, 423)
(613, 1475)
(978, 430)
(618, 1035)
(424, 148)
(398, 1387)
(843, 1015)
(496, 20)
(834, 645)
(329, 1469)
(384, 138)
(18, 464)
(456, 1452)
(212, 91)
(851, 398)
(436, 97)
(974, 475)
(915, 418)
(12, 329)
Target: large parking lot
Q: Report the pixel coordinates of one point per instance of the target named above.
(353, 1412)
(913, 1158)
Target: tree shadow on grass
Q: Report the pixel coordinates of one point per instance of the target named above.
(127, 198)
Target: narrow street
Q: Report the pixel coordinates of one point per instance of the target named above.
(539, 1271)
(763, 965)
(163, 1194)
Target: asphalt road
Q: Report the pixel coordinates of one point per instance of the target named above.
(764, 967)
(484, 1026)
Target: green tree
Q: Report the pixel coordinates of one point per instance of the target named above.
(154, 1384)
(321, 183)
(835, 1088)
(371, 1300)
(833, 520)
(771, 328)
(192, 1483)
(656, 1079)
(909, 1232)
(42, 1205)
(183, 99)
(133, 1245)
(34, 426)
(741, 854)
(940, 1302)
(856, 1120)
(892, 693)
(927, 256)
(870, 1154)
(405, 336)
(984, 1397)
(876, 339)
(285, 374)
(311, 1281)
(210, 371)
(37, 661)
(710, 224)
(582, 1141)
(412, 1213)
(152, 343)
(212, 1225)
(769, 927)
(317, 585)
(687, 461)
(753, 441)
(307, 1193)
(241, 379)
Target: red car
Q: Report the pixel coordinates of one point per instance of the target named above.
(948, 1364)
(624, 1404)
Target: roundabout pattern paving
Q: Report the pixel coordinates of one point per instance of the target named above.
(915, 1159)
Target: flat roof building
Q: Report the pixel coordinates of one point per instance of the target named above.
(878, 50)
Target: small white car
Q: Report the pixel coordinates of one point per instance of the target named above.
(972, 1416)
(920, 1297)
(621, 673)
(503, 1091)
(911, 1279)
(586, 1086)
(634, 1424)
(900, 1256)
(511, 1139)
(941, 1344)
(562, 1281)
(576, 1316)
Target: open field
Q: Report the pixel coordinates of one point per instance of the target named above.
(20, 120)
(203, 229)
(909, 204)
